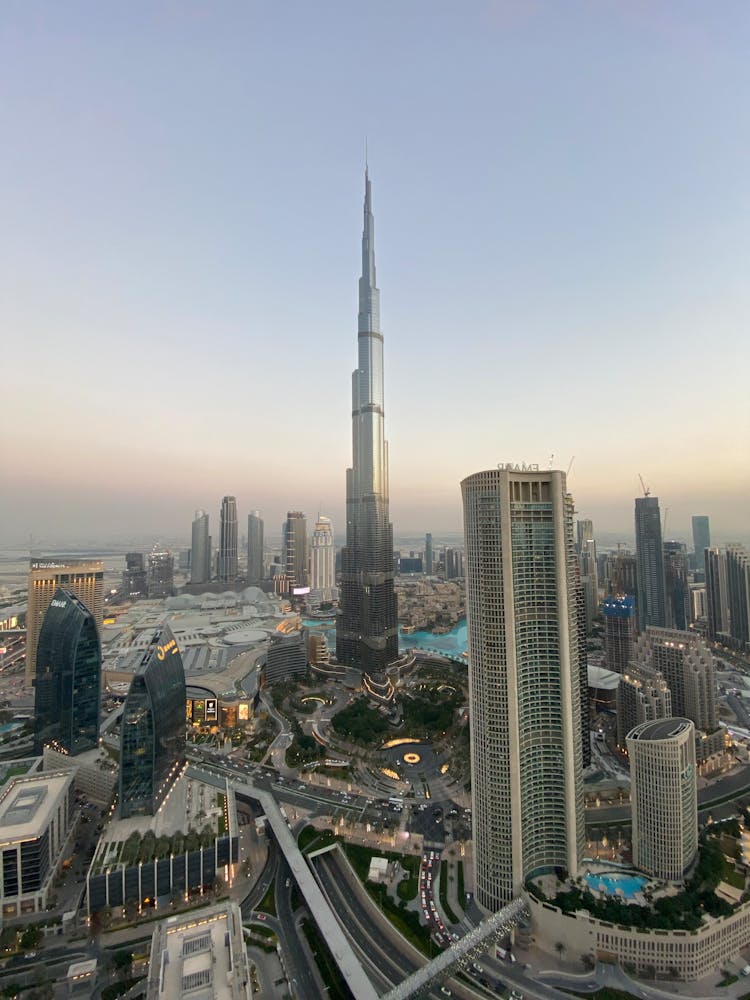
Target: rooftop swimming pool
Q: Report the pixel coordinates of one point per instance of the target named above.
(616, 883)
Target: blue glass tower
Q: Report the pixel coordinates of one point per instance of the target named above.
(152, 731)
(68, 677)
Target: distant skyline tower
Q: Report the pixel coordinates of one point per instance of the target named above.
(134, 576)
(586, 548)
(701, 537)
(651, 604)
(677, 587)
(717, 598)
(82, 577)
(68, 677)
(522, 608)
(737, 562)
(294, 549)
(428, 554)
(160, 573)
(200, 552)
(366, 628)
(255, 563)
(323, 559)
(619, 632)
(227, 568)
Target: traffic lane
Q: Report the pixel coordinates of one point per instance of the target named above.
(737, 705)
(264, 880)
(735, 784)
(367, 928)
(429, 822)
(296, 957)
(391, 965)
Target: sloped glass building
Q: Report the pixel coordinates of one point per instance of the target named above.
(152, 731)
(68, 677)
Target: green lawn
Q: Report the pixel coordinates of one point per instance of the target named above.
(444, 893)
(460, 882)
(311, 839)
(733, 878)
(409, 886)
(268, 903)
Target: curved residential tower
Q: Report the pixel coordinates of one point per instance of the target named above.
(524, 629)
(366, 630)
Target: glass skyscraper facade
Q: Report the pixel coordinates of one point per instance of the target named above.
(228, 565)
(152, 731)
(366, 629)
(255, 565)
(68, 677)
(651, 601)
(200, 550)
(701, 537)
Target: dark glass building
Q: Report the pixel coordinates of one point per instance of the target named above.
(68, 677)
(152, 732)
(651, 602)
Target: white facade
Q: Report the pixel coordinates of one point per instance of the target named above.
(664, 797)
(35, 826)
(200, 551)
(687, 665)
(200, 954)
(323, 560)
(525, 705)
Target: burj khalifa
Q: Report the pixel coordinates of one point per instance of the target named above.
(366, 628)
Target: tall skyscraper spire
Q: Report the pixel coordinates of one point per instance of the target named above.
(366, 630)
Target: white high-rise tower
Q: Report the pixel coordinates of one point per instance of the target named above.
(200, 552)
(323, 560)
(524, 693)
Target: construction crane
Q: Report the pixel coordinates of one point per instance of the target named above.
(646, 490)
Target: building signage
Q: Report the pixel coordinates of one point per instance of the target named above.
(244, 712)
(168, 647)
(518, 466)
(58, 604)
(211, 708)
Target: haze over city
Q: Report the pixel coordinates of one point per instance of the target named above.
(561, 252)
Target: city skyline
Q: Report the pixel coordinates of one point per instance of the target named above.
(590, 241)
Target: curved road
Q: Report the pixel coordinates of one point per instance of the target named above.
(734, 785)
(296, 958)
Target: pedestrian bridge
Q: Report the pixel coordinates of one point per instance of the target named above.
(461, 953)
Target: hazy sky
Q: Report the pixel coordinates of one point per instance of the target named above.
(561, 199)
